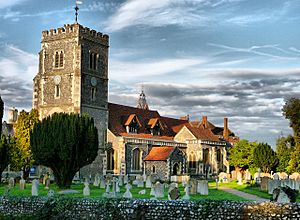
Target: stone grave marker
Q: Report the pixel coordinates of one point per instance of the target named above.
(152, 191)
(121, 180)
(127, 194)
(22, 184)
(187, 192)
(193, 186)
(159, 190)
(174, 194)
(202, 187)
(273, 184)
(140, 182)
(148, 182)
(142, 192)
(102, 183)
(11, 182)
(295, 176)
(264, 183)
(276, 176)
(86, 189)
(126, 179)
(97, 180)
(35, 187)
(50, 193)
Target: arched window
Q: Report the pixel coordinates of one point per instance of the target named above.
(192, 161)
(56, 60)
(110, 159)
(136, 159)
(61, 59)
(93, 94)
(153, 169)
(206, 159)
(57, 91)
(93, 61)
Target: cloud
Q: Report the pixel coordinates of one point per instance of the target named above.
(17, 69)
(10, 3)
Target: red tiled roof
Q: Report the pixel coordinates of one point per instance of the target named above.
(204, 134)
(143, 135)
(152, 122)
(159, 153)
(130, 118)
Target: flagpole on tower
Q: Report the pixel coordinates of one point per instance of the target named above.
(76, 10)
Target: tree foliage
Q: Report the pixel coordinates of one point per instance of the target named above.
(21, 155)
(285, 147)
(291, 111)
(240, 155)
(4, 154)
(65, 143)
(264, 157)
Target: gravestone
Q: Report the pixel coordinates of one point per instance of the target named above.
(97, 180)
(202, 187)
(35, 187)
(121, 180)
(193, 186)
(102, 183)
(295, 176)
(117, 186)
(86, 189)
(148, 182)
(223, 177)
(152, 191)
(142, 192)
(283, 176)
(187, 192)
(126, 179)
(233, 174)
(239, 178)
(174, 194)
(247, 176)
(159, 190)
(50, 193)
(127, 194)
(140, 182)
(264, 183)
(107, 189)
(11, 182)
(22, 184)
(47, 186)
(273, 184)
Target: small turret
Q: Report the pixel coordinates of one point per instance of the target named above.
(142, 102)
(12, 115)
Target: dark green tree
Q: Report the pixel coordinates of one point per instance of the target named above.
(4, 154)
(291, 111)
(65, 143)
(264, 157)
(285, 146)
(240, 155)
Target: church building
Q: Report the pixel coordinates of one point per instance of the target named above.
(73, 77)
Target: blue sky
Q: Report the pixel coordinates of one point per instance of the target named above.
(220, 58)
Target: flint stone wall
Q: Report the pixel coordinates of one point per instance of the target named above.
(68, 208)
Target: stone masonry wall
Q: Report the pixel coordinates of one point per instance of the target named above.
(62, 208)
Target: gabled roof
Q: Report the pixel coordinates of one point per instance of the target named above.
(119, 115)
(159, 153)
(204, 134)
(130, 118)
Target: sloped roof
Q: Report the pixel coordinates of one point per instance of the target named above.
(120, 114)
(204, 134)
(159, 153)
(130, 118)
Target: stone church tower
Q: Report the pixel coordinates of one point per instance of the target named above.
(73, 77)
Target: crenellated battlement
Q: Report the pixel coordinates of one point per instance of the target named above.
(74, 30)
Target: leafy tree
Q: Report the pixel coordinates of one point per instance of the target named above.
(21, 155)
(65, 143)
(264, 157)
(4, 154)
(291, 111)
(240, 155)
(285, 146)
(294, 163)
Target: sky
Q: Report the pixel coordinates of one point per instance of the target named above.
(219, 58)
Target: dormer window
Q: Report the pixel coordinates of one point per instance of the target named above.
(132, 124)
(155, 126)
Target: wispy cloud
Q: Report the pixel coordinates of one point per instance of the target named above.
(10, 3)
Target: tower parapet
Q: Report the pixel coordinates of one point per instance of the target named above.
(75, 30)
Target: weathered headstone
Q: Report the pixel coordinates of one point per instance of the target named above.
(127, 194)
(11, 182)
(102, 183)
(50, 193)
(148, 182)
(276, 176)
(35, 187)
(295, 176)
(152, 191)
(142, 192)
(97, 180)
(126, 179)
(202, 187)
(159, 190)
(193, 186)
(239, 178)
(86, 189)
(121, 180)
(22, 184)
(273, 184)
(247, 175)
(187, 192)
(264, 183)
(140, 182)
(174, 194)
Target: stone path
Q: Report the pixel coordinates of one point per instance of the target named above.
(243, 194)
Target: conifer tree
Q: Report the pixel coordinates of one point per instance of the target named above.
(4, 154)
(65, 143)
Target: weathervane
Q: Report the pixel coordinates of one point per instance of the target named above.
(77, 9)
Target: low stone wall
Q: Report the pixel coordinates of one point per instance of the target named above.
(70, 208)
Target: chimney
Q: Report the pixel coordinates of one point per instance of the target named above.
(186, 117)
(204, 122)
(225, 130)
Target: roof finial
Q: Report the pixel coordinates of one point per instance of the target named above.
(76, 10)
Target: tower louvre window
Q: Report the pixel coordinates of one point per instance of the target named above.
(61, 59)
(56, 60)
(93, 61)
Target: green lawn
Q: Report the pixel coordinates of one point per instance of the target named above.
(96, 192)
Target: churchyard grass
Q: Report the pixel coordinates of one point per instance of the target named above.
(96, 192)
